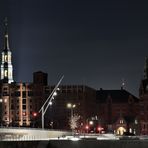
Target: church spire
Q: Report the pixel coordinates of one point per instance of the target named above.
(146, 68)
(6, 40)
(6, 56)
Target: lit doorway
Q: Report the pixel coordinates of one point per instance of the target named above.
(121, 130)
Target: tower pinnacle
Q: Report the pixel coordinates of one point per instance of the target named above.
(6, 40)
(146, 68)
(6, 56)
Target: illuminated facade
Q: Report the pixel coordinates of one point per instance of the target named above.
(6, 64)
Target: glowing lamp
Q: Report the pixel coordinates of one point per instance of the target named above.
(87, 127)
(24, 113)
(34, 114)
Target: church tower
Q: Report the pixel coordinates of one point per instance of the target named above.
(146, 68)
(143, 95)
(6, 64)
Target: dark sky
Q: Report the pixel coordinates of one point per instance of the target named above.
(94, 42)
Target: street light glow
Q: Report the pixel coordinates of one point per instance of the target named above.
(55, 93)
(91, 122)
(69, 105)
(50, 103)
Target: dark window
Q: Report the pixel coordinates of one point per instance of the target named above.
(30, 93)
(17, 94)
(63, 91)
(5, 94)
(24, 94)
(29, 86)
(12, 106)
(18, 87)
(24, 101)
(24, 106)
(5, 88)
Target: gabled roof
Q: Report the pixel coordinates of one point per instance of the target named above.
(117, 96)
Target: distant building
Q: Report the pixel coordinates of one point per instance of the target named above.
(114, 104)
(143, 94)
(84, 99)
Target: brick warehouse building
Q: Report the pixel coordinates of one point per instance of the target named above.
(115, 110)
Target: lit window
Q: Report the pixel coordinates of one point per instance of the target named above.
(6, 58)
(6, 73)
(136, 122)
(3, 58)
(121, 121)
(9, 58)
(9, 73)
(130, 130)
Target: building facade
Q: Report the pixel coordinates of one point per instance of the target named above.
(143, 94)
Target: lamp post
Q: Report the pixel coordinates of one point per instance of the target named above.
(49, 101)
(34, 114)
(71, 107)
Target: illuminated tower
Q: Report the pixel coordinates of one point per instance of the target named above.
(6, 64)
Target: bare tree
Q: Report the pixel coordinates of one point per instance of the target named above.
(74, 122)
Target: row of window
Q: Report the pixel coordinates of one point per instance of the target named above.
(17, 113)
(18, 94)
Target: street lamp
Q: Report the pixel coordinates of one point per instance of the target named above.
(71, 107)
(48, 101)
(34, 115)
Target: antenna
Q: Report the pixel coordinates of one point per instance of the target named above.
(123, 86)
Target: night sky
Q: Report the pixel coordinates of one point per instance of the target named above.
(92, 42)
